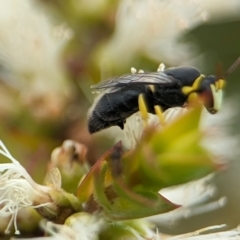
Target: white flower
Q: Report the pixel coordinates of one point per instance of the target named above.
(153, 27)
(217, 138)
(134, 127)
(56, 232)
(203, 235)
(17, 189)
(79, 226)
(30, 50)
(86, 226)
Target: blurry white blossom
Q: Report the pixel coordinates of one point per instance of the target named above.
(217, 136)
(56, 232)
(193, 198)
(30, 54)
(134, 127)
(153, 27)
(18, 190)
(88, 227)
(85, 226)
(203, 235)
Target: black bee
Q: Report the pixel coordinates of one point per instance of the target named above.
(172, 87)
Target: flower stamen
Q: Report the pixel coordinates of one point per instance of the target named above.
(17, 189)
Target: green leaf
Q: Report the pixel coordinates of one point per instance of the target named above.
(126, 187)
(129, 204)
(99, 188)
(170, 156)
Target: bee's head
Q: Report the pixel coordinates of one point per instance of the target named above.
(210, 91)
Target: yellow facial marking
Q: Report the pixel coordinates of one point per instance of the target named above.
(217, 97)
(187, 90)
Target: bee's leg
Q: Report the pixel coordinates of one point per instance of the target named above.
(143, 107)
(159, 113)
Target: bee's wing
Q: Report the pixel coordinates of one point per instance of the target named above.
(154, 78)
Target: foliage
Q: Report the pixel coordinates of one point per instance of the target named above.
(126, 185)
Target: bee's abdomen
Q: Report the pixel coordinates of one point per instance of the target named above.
(114, 108)
(96, 123)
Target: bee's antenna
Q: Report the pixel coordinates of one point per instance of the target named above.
(232, 68)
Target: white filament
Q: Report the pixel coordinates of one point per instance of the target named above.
(17, 189)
